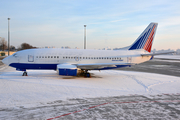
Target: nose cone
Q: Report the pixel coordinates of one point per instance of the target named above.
(5, 61)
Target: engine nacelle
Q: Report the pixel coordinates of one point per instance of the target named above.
(68, 70)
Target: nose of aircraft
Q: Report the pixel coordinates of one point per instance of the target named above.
(5, 61)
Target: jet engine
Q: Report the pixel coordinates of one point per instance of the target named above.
(68, 70)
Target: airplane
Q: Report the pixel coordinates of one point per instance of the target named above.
(73, 62)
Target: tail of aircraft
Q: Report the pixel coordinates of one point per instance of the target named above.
(145, 40)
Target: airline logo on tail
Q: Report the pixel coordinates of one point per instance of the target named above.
(145, 40)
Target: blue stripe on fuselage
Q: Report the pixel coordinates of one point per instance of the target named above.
(33, 66)
(25, 66)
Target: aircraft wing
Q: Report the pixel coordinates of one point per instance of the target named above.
(94, 66)
(160, 53)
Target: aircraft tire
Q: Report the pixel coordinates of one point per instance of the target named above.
(24, 74)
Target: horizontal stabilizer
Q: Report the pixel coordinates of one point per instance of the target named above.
(160, 53)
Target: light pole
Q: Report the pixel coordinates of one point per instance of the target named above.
(84, 36)
(8, 36)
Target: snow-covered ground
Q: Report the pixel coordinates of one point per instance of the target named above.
(41, 87)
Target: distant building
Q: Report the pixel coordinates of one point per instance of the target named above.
(66, 47)
(107, 48)
(48, 47)
(178, 51)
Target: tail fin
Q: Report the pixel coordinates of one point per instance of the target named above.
(145, 40)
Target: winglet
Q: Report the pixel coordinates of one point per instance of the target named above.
(145, 40)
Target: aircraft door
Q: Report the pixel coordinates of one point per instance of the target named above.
(30, 58)
(129, 59)
(77, 58)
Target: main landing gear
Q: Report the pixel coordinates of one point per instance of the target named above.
(25, 73)
(87, 74)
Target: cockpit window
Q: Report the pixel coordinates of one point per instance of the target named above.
(15, 55)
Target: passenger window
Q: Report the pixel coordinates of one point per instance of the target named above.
(51, 56)
(45, 56)
(36, 56)
(57, 56)
(54, 56)
(39, 56)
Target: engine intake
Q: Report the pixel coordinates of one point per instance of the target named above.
(67, 70)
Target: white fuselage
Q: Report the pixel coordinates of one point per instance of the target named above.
(57, 56)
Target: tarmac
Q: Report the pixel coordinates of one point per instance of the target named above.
(159, 66)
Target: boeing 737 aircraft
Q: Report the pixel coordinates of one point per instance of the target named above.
(71, 62)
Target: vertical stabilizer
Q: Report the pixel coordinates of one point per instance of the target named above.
(145, 40)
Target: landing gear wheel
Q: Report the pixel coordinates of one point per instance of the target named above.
(25, 73)
(87, 74)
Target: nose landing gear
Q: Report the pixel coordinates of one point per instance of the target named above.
(25, 73)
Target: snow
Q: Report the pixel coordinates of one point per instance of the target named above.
(41, 87)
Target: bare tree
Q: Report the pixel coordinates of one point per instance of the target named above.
(3, 44)
(25, 46)
(12, 48)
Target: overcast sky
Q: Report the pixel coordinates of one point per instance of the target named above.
(110, 23)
